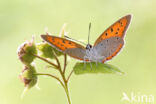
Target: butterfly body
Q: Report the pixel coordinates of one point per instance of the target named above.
(92, 55)
(105, 47)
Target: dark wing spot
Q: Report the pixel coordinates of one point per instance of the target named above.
(116, 33)
(63, 41)
(62, 45)
(69, 42)
(121, 23)
(111, 29)
(118, 29)
(53, 39)
(106, 34)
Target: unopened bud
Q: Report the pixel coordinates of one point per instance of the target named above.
(28, 76)
(47, 50)
(26, 51)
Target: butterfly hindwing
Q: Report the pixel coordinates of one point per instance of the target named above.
(77, 53)
(109, 47)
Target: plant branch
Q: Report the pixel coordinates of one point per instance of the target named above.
(65, 63)
(64, 83)
(56, 66)
(59, 68)
(62, 72)
(57, 60)
(70, 75)
(67, 93)
(46, 74)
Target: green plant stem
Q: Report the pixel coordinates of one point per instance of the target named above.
(62, 72)
(56, 66)
(59, 68)
(64, 83)
(70, 75)
(64, 86)
(46, 74)
(65, 63)
(67, 93)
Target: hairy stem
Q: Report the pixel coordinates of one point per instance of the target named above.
(64, 81)
(70, 75)
(67, 93)
(62, 72)
(65, 63)
(44, 59)
(46, 74)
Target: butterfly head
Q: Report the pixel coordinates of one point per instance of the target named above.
(88, 46)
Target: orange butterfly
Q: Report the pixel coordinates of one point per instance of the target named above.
(105, 47)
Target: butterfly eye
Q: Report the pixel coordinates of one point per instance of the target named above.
(88, 46)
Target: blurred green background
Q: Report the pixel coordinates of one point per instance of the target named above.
(20, 19)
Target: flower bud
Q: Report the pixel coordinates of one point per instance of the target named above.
(47, 50)
(28, 76)
(63, 32)
(26, 51)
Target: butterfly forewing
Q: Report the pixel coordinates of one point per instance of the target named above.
(117, 29)
(111, 41)
(69, 47)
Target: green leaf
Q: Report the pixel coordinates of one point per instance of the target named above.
(92, 67)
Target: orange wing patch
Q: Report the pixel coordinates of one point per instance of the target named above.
(60, 43)
(117, 29)
(114, 54)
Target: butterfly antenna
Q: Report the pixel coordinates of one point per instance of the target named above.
(75, 40)
(89, 32)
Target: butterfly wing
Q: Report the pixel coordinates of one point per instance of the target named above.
(111, 41)
(117, 29)
(109, 47)
(66, 46)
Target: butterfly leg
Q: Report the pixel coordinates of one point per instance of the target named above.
(84, 61)
(90, 65)
(86, 58)
(96, 63)
(101, 59)
(90, 62)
